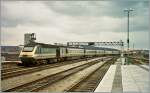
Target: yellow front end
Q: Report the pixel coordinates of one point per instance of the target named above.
(27, 55)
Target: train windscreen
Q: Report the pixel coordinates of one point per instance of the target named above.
(28, 49)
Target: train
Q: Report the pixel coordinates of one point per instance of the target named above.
(40, 53)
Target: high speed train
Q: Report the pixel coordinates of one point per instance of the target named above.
(39, 53)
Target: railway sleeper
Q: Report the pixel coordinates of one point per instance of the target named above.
(41, 83)
(89, 83)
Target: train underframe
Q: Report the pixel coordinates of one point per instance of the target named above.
(26, 61)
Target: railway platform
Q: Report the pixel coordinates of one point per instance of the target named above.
(122, 78)
(10, 62)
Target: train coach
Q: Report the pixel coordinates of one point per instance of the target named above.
(39, 53)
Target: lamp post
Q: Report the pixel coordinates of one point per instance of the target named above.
(128, 15)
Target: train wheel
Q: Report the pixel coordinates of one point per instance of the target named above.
(20, 64)
(62, 59)
(26, 64)
(47, 61)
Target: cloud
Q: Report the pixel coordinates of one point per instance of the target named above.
(139, 39)
(96, 8)
(62, 21)
(25, 13)
(48, 34)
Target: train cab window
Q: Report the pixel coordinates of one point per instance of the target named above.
(28, 49)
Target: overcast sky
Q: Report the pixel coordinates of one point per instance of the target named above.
(63, 21)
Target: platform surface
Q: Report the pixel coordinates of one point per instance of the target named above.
(131, 79)
(135, 79)
(106, 83)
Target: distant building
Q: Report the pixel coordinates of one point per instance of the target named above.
(10, 49)
(10, 53)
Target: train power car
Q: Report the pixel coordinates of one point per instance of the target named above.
(34, 54)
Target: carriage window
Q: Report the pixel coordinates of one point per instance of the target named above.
(52, 50)
(28, 49)
(48, 50)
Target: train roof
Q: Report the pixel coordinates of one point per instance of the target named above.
(49, 45)
(81, 47)
(41, 44)
(99, 48)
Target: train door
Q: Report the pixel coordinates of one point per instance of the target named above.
(57, 52)
(40, 51)
(84, 52)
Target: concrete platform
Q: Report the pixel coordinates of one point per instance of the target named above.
(130, 79)
(10, 62)
(135, 79)
(107, 82)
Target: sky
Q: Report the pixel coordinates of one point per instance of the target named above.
(80, 21)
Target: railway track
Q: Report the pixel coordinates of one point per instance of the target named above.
(90, 83)
(43, 82)
(12, 72)
(143, 61)
(138, 62)
(135, 61)
(4, 70)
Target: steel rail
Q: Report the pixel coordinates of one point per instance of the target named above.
(43, 82)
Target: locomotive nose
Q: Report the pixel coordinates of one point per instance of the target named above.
(24, 55)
